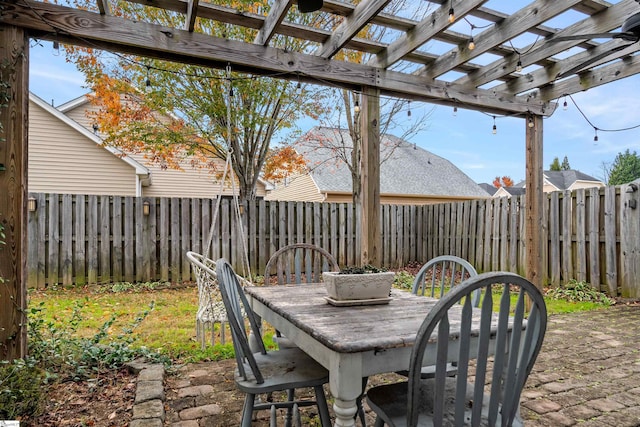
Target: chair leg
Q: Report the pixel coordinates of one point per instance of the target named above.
(247, 410)
(323, 408)
(360, 411)
(273, 421)
(290, 398)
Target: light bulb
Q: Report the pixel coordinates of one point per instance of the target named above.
(472, 44)
(495, 129)
(148, 85)
(530, 121)
(519, 66)
(356, 107)
(455, 111)
(56, 48)
(452, 16)
(595, 138)
(565, 106)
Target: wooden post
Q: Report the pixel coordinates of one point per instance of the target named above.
(14, 99)
(370, 235)
(533, 201)
(629, 242)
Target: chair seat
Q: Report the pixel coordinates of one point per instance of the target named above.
(283, 370)
(391, 400)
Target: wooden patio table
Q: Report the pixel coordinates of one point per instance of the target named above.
(350, 342)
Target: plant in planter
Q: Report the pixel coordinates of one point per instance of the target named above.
(367, 283)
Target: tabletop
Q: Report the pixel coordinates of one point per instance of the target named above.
(354, 328)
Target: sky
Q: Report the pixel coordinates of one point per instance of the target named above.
(466, 138)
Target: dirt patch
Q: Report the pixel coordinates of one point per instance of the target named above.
(105, 401)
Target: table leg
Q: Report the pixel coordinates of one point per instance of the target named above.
(345, 383)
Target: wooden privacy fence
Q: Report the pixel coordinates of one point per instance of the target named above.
(590, 235)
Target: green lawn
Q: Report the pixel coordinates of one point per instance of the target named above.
(168, 328)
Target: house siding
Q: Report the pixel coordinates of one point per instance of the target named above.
(300, 189)
(62, 160)
(188, 181)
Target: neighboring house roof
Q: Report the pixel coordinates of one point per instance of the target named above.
(509, 191)
(409, 170)
(491, 189)
(567, 180)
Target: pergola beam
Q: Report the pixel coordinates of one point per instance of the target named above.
(427, 29)
(604, 21)
(589, 79)
(349, 27)
(273, 21)
(192, 14)
(151, 40)
(516, 24)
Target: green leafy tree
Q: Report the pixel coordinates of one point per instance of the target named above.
(625, 168)
(168, 111)
(557, 166)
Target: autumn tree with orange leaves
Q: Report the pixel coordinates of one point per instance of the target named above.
(172, 111)
(505, 181)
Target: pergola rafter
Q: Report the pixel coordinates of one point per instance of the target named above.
(404, 64)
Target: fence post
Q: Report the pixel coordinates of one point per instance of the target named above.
(629, 242)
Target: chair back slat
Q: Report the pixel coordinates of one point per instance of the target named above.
(463, 359)
(236, 304)
(441, 272)
(299, 263)
(504, 344)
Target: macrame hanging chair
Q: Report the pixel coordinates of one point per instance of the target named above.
(211, 310)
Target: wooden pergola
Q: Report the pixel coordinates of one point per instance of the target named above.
(461, 77)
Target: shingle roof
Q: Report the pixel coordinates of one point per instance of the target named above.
(562, 180)
(408, 170)
(488, 188)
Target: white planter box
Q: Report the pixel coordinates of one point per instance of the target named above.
(342, 287)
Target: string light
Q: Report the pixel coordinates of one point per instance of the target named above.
(595, 138)
(56, 48)
(565, 106)
(452, 14)
(530, 123)
(495, 128)
(519, 65)
(472, 43)
(148, 81)
(409, 109)
(356, 106)
(455, 110)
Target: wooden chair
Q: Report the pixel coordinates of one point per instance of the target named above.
(298, 263)
(210, 307)
(434, 279)
(445, 272)
(267, 372)
(466, 399)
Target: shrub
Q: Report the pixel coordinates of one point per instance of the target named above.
(575, 291)
(403, 280)
(20, 389)
(66, 356)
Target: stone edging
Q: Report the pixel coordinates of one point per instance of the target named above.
(148, 407)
